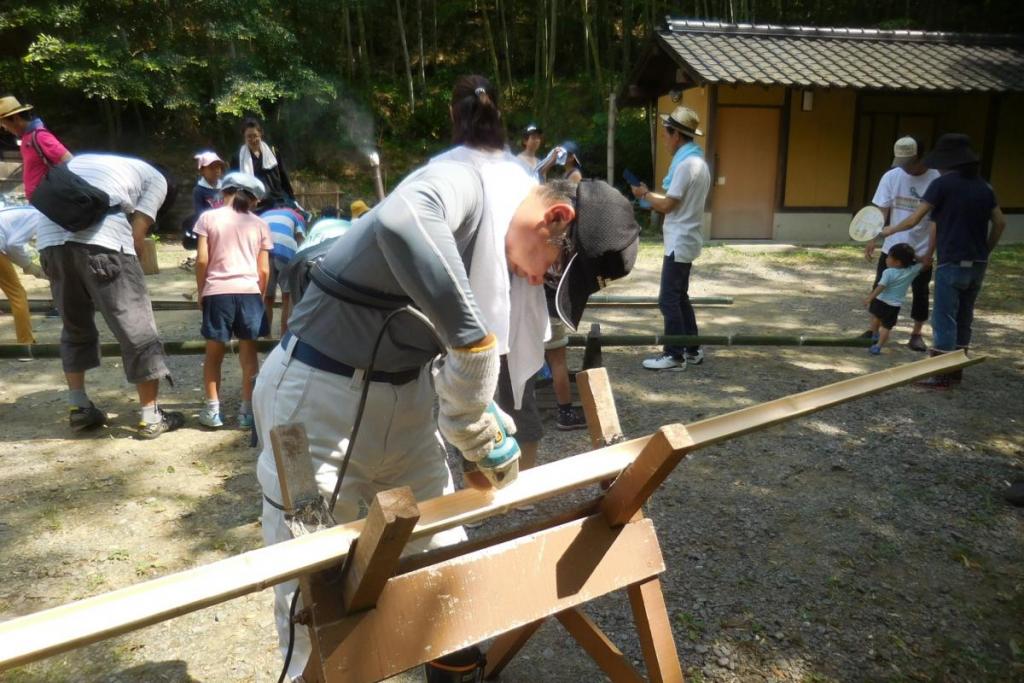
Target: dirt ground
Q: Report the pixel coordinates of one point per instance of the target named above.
(866, 542)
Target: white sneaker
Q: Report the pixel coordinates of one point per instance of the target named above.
(665, 362)
(208, 418)
(694, 358)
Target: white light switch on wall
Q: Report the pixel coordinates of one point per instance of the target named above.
(721, 180)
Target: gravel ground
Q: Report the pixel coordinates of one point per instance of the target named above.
(866, 542)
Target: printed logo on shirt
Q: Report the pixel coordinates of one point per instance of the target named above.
(907, 203)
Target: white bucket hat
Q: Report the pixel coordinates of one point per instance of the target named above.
(683, 119)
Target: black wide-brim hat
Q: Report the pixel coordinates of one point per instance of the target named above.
(606, 238)
(952, 149)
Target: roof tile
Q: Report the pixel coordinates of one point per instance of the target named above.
(848, 58)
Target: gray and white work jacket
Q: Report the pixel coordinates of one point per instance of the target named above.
(415, 246)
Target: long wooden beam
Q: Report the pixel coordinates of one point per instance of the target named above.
(46, 633)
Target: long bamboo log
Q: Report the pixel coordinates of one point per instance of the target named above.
(596, 301)
(43, 634)
(193, 348)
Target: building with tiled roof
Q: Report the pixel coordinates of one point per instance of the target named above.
(800, 121)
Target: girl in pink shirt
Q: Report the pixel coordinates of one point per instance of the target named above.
(232, 268)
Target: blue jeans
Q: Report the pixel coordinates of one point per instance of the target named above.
(956, 289)
(674, 302)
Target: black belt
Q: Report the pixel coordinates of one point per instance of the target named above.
(305, 353)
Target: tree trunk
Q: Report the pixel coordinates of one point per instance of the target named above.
(552, 50)
(586, 38)
(433, 32)
(423, 59)
(540, 56)
(364, 53)
(405, 55)
(350, 61)
(627, 35)
(592, 40)
(507, 45)
(489, 38)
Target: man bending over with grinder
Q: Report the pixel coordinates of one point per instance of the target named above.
(428, 248)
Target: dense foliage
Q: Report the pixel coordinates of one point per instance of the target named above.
(333, 76)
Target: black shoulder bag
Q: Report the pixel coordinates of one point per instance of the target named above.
(66, 199)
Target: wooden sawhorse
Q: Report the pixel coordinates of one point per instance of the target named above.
(382, 614)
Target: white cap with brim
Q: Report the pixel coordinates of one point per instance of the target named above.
(204, 159)
(904, 151)
(606, 237)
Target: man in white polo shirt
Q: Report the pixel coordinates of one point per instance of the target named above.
(898, 195)
(98, 269)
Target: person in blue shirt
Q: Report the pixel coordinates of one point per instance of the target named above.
(884, 302)
(288, 229)
(962, 205)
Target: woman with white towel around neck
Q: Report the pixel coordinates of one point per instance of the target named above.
(256, 157)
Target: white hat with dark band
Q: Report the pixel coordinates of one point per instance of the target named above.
(683, 119)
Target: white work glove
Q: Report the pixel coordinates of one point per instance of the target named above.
(465, 383)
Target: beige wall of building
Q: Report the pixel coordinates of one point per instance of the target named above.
(820, 149)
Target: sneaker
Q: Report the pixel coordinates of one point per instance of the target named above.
(570, 419)
(875, 350)
(936, 382)
(245, 420)
(917, 344)
(694, 358)
(208, 418)
(868, 334)
(665, 362)
(86, 418)
(169, 421)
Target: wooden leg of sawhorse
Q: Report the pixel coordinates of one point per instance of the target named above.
(655, 632)
(599, 647)
(506, 646)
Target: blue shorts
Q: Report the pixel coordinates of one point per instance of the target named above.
(234, 315)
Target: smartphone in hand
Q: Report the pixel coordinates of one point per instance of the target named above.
(632, 178)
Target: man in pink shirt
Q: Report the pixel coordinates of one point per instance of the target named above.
(232, 268)
(36, 142)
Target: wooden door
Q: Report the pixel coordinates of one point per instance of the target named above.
(746, 163)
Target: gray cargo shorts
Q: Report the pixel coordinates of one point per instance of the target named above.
(85, 278)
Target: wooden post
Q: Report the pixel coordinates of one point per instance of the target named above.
(507, 646)
(592, 352)
(393, 516)
(147, 259)
(602, 650)
(599, 407)
(644, 475)
(655, 632)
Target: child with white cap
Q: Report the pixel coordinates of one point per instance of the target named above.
(205, 195)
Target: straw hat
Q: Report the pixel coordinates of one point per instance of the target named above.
(683, 119)
(358, 208)
(9, 106)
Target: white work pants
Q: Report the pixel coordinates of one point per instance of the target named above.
(397, 445)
